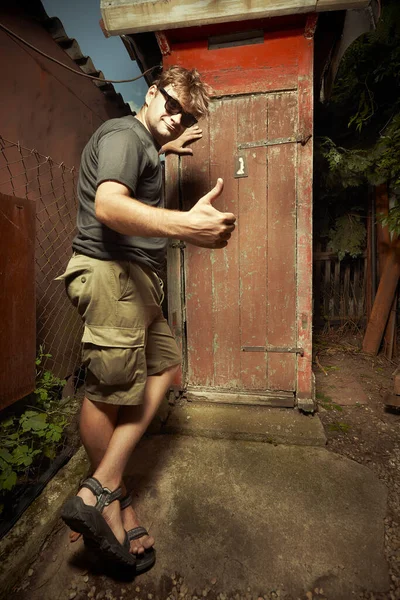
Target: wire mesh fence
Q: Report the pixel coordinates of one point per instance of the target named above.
(25, 173)
(37, 438)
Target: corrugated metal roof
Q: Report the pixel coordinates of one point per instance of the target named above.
(55, 27)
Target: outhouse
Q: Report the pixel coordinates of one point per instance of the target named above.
(242, 315)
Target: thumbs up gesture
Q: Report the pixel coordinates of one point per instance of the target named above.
(207, 226)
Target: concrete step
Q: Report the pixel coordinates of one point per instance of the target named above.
(252, 423)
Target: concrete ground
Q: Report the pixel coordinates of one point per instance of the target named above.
(273, 516)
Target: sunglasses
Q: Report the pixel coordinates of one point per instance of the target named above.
(173, 107)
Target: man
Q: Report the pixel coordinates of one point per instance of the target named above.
(113, 280)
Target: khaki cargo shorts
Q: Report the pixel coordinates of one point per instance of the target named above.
(126, 337)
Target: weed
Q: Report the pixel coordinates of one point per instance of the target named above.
(36, 432)
(340, 426)
(327, 403)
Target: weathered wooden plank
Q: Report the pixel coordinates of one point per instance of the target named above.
(325, 5)
(279, 399)
(252, 232)
(327, 285)
(383, 243)
(134, 16)
(304, 227)
(346, 290)
(281, 240)
(382, 233)
(226, 340)
(336, 288)
(122, 16)
(383, 302)
(389, 341)
(17, 298)
(369, 292)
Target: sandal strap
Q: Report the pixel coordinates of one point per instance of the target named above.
(125, 501)
(104, 495)
(136, 533)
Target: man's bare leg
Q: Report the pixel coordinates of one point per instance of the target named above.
(131, 423)
(95, 417)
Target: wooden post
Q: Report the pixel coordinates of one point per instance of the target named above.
(383, 244)
(369, 292)
(382, 233)
(383, 302)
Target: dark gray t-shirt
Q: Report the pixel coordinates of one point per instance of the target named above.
(120, 150)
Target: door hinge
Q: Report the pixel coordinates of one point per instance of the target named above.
(282, 349)
(263, 143)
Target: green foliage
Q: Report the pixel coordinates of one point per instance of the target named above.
(348, 236)
(366, 91)
(357, 166)
(359, 128)
(392, 219)
(37, 432)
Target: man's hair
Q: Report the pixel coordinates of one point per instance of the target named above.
(192, 92)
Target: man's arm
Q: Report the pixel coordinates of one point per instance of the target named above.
(203, 225)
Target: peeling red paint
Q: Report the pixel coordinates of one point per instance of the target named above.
(163, 43)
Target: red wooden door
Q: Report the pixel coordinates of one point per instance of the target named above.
(242, 315)
(240, 302)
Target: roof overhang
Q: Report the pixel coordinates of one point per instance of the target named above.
(135, 16)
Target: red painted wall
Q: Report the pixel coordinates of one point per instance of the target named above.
(44, 106)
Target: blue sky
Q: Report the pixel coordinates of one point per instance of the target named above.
(80, 19)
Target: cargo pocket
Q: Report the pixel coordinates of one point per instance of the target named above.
(78, 279)
(114, 355)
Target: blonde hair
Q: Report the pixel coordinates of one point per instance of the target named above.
(192, 92)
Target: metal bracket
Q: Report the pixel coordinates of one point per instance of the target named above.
(282, 349)
(177, 245)
(276, 142)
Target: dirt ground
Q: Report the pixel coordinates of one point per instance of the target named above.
(351, 389)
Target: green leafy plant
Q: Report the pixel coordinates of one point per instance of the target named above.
(359, 130)
(392, 219)
(36, 432)
(348, 236)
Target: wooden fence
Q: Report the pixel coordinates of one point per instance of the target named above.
(339, 288)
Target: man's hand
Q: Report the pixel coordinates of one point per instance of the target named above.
(203, 225)
(209, 227)
(189, 136)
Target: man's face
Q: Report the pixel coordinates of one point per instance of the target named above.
(163, 126)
